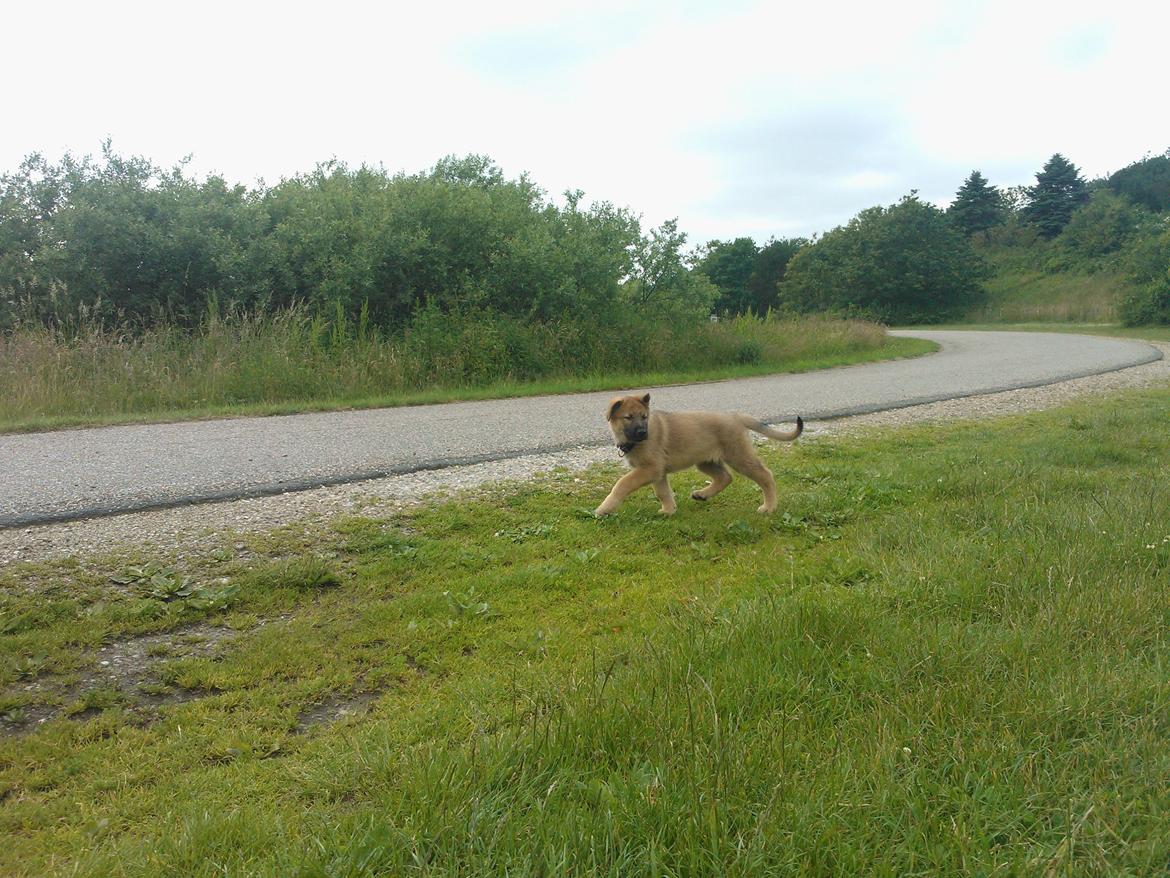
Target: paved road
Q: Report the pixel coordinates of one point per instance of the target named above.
(83, 473)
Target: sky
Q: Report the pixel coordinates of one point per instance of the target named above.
(764, 119)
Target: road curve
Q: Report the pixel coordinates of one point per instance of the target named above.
(71, 474)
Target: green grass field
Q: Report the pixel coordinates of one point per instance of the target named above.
(946, 654)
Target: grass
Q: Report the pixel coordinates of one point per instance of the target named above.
(947, 654)
(1116, 330)
(289, 362)
(1022, 295)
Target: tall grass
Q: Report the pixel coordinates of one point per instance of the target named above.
(1021, 296)
(250, 361)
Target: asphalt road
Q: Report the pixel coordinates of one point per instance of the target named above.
(72, 474)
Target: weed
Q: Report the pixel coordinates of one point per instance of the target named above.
(525, 532)
(29, 666)
(464, 605)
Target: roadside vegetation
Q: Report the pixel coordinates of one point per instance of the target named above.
(291, 361)
(131, 292)
(945, 654)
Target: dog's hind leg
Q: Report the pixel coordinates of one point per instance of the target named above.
(720, 478)
(754, 468)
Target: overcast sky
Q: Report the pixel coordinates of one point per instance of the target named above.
(740, 118)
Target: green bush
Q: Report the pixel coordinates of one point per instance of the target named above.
(1105, 225)
(906, 264)
(121, 241)
(122, 236)
(1148, 261)
(1146, 182)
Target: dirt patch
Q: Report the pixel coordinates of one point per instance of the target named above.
(346, 705)
(129, 663)
(123, 673)
(334, 708)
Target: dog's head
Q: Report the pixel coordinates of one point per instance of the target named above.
(629, 419)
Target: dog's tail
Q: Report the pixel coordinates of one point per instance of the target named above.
(764, 430)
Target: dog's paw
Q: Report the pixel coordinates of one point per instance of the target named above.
(602, 513)
(695, 495)
(764, 510)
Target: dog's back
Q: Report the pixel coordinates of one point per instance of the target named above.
(684, 439)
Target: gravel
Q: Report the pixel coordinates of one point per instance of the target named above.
(208, 526)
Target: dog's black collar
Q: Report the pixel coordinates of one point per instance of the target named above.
(626, 447)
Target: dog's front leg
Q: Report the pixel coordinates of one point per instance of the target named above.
(627, 484)
(665, 496)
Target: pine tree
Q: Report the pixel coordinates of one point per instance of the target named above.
(977, 206)
(1059, 191)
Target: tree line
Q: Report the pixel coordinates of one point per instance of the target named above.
(119, 239)
(1064, 222)
(914, 262)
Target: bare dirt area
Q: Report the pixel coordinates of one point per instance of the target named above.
(128, 673)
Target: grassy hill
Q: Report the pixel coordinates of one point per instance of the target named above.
(1021, 295)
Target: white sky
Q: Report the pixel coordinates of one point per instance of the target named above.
(739, 118)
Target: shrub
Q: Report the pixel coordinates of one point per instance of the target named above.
(1147, 182)
(906, 263)
(1102, 227)
(130, 243)
(1149, 265)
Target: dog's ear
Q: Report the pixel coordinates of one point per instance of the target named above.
(646, 400)
(614, 405)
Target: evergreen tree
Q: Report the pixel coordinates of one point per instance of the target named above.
(977, 206)
(1060, 189)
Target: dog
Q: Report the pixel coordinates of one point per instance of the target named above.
(658, 443)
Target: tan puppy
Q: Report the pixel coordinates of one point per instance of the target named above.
(657, 443)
